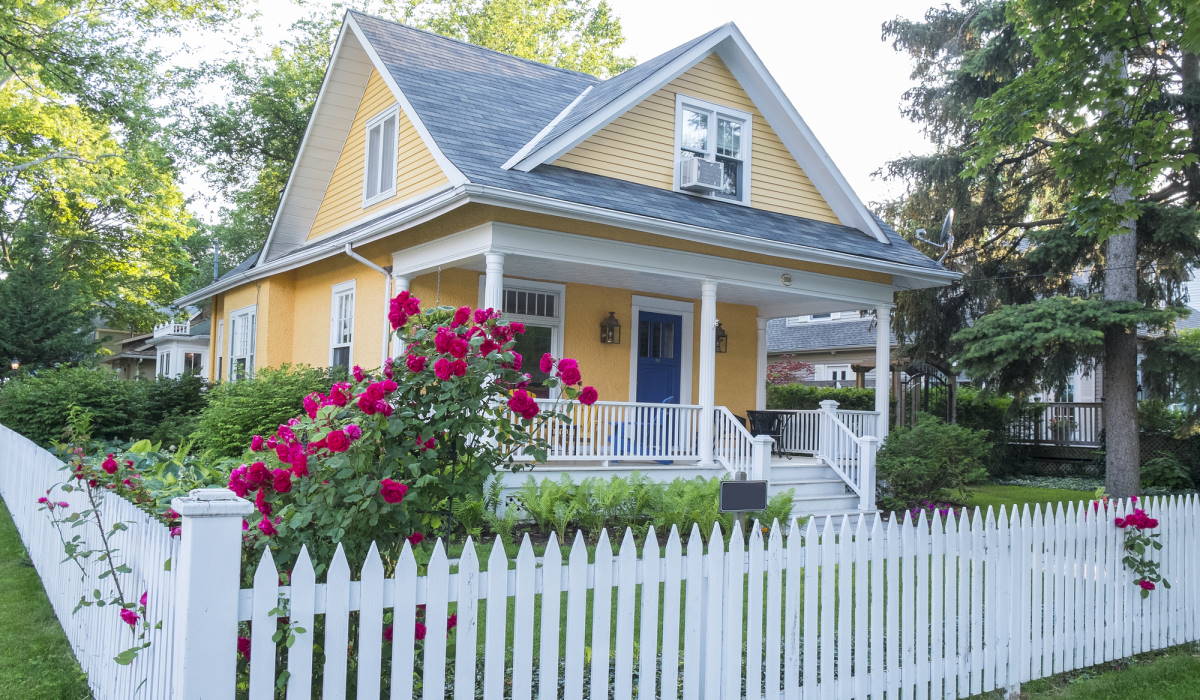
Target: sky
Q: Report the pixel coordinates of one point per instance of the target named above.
(829, 59)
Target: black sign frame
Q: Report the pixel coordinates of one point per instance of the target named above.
(735, 496)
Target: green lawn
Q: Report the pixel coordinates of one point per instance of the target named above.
(35, 660)
(1170, 675)
(995, 495)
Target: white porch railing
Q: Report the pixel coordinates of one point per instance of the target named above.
(850, 455)
(171, 329)
(609, 430)
(736, 449)
(800, 431)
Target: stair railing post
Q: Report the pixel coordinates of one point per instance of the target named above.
(761, 456)
(825, 444)
(208, 581)
(868, 448)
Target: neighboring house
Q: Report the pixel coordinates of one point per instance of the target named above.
(125, 352)
(182, 347)
(837, 349)
(685, 196)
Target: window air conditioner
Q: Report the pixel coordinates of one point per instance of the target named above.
(699, 175)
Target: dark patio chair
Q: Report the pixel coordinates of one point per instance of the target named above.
(768, 423)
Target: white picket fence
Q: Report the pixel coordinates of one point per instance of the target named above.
(872, 607)
(96, 634)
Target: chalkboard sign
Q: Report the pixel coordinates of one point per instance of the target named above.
(741, 496)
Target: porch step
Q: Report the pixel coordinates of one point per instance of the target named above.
(822, 486)
(824, 505)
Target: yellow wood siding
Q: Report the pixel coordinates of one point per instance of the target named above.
(639, 146)
(416, 169)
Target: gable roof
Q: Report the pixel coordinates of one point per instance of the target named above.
(821, 335)
(475, 108)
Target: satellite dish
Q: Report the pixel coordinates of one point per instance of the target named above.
(945, 238)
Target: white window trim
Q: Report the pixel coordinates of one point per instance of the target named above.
(251, 310)
(394, 110)
(686, 309)
(219, 366)
(748, 137)
(342, 288)
(557, 330)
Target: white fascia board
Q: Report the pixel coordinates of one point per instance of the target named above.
(453, 174)
(447, 250)
(785, 119)
(920, 277)
(308, 134)
(557, 245)
(524, 150)
(635, 94)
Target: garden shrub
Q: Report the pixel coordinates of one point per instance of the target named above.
(1166, 471)
(802, 397)
(237, 410)
(37, 405)
(932, 460)
(635, 502)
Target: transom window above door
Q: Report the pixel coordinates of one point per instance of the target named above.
(716, 134)
(380, 166)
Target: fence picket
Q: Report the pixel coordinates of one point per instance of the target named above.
(601, 617)
(437, 590)
(732, 599)
(754, 615)
(844, 571)
(495, 634)
(552, 583)
(301, 607)
(337, 625)
(370, 626)
(404, 621)
(672, 569)
(466, 633)
(523, 619)
(803, 647)
(714, 594)
(922, 591)
(577, 585)
(626, 577)
(693, 631)
(648, 635)
(262, 628)
(937, 563)
(773, 638)
(988, 558)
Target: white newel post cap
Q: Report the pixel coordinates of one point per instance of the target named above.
(212, 503)
(829, 405)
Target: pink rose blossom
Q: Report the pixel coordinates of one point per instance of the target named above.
(129, 617)
(588, 396)
(281, 480)
(416, 538)
(357, 373)
(568, 371)
(461, 315)
(441, 368)
(109, 464)
(353, 431)
(267, 527)
(392, 491)
(523, 404)
(546, 364)
(337, 441)
(256, 443)
(415, 363)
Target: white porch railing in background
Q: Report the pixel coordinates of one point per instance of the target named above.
(171, 329)
(617, 430)
(96, 634)
(801, 434)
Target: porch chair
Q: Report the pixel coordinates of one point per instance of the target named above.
(768, 423)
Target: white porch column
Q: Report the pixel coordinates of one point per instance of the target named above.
(493, 281)
(708, 368)
(394, 347)
(760, 374)
(883, 365)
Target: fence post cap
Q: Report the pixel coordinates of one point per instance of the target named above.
(763, 439)
(211, 503)
(829, 405)
(870, 439)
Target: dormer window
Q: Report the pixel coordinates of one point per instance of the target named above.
(717, 135)
(380, 158)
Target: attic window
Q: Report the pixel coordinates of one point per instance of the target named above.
(380, 156)
(716, 134)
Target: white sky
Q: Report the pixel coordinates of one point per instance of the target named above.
(828, 57)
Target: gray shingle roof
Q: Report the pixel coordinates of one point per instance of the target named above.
(821, 335)
(481, 107)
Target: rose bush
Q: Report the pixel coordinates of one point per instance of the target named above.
(384, 457)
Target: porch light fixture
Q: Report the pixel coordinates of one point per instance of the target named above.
(722, 339)
(16, 365)
(610, 330)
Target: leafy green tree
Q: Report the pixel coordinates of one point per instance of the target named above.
(247, 143)
(44, 320)
(1068, 134)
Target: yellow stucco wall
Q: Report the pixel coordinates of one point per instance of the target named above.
(639, 146)
(416, 169)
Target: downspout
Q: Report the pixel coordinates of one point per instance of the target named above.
(387, 297)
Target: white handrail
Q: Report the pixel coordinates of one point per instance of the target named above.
(849, 454)
(733, 445)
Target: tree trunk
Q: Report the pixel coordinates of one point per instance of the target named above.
(1119, 381)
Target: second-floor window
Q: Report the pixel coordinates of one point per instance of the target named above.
(242, 329)
(341, 330)
(716, 133)
(380, 158)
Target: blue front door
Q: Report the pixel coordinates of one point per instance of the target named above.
(660, 344)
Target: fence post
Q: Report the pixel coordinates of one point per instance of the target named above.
(825, 434)
(868, 447)
(208, 579)
(760, 456)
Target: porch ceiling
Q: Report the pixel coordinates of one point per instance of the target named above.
(557, 256)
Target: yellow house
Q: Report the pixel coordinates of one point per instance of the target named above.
(684, 200)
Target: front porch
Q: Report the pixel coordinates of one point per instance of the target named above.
(676, 393)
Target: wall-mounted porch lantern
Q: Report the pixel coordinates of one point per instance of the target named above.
(610, 330)
(722, 339)
(16, 365)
